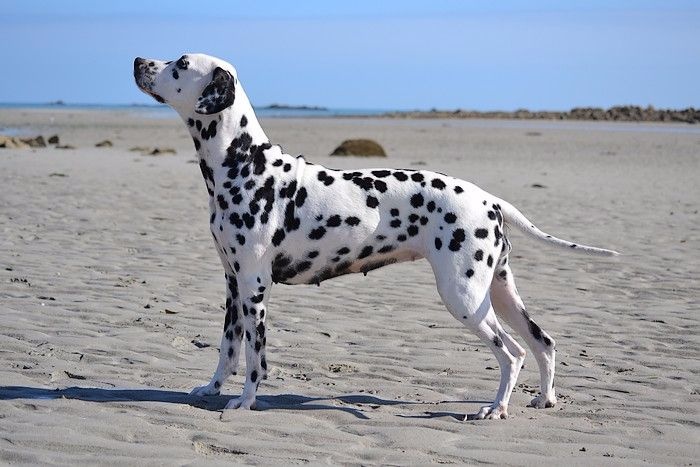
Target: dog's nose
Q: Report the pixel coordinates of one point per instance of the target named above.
(140, 64)
(138, 61)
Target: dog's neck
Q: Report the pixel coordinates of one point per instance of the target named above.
(230, 137)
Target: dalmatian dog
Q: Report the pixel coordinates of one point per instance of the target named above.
(276, 218)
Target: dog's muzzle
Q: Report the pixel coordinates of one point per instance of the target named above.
(144, 74)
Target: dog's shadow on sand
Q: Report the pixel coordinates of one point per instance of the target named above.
(217, 403)
(213, 403)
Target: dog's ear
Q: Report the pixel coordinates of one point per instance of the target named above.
(217, 95)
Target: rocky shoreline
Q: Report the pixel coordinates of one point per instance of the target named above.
(626, 113)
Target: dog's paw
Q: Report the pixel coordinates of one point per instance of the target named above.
(491, 412)
(206, 390)
(241, 403)
(543, 402)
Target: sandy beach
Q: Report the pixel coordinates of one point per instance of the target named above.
(111, 298)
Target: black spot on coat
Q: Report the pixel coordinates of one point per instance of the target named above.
(366, 251)
(334, 221)
(417, 200)
(366, 183)
(450, 218)
(278, 237)
(385, 249)
(301, 197)
(380, 186)
(223, 204)
(317, 233)
(458, 236)
(437, 183)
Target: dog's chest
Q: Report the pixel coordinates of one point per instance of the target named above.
(247, 202)
(244, 204)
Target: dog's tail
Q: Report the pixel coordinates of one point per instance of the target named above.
(516, 218)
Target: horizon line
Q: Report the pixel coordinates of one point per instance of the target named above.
(321, 108)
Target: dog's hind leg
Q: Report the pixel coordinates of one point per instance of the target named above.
(229, 350)
(509, 307)
(466, 296)
(254, 291)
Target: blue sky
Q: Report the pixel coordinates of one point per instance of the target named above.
(485, 55)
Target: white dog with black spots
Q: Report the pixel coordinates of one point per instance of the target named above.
(279, 218)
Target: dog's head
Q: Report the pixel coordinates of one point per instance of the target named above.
(194, 82)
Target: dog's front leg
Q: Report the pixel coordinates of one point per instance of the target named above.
(254, 291)
(229, 351)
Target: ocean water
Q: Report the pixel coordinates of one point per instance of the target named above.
(163, 111)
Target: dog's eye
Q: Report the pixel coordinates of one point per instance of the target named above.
(182, 63)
